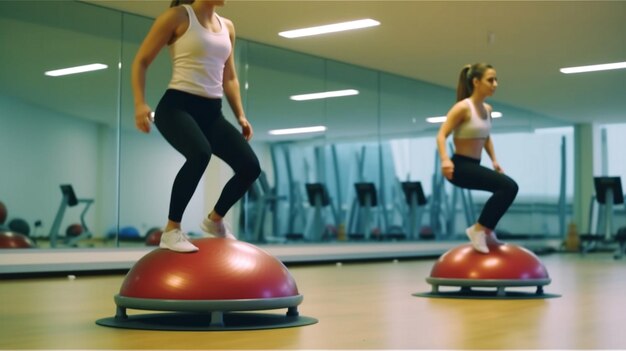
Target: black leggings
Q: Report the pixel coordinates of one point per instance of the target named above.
(196, 127)
(469, 174)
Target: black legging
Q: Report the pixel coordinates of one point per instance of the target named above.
(469, 174)
(196, 127)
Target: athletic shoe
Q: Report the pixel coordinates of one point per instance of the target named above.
(216, 229)
(176, 240)
(493, 239)
(478, 239)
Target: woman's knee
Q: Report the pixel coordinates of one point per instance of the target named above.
(200, 158)
(253, 170)
(511, 187)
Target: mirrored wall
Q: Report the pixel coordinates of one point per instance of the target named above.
(76, 172)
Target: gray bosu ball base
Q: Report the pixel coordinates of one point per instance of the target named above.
(182, 321)
(466, 290)
(207, 315)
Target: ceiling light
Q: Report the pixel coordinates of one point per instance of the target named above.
(324, 95)
(77, 69)
(301, 130)
(593, 68)
(441, 119)
(329, 28)
(438, 119)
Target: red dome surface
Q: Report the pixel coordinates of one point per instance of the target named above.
(223, 269)
(504, 261)
(13, 240)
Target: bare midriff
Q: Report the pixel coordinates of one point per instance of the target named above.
(469, 147)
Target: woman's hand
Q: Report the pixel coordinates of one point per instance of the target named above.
(246, 128)
(496, 167)
(447, 168)
(143, 118)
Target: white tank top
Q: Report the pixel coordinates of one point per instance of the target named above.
(476, 127)
(198, 58)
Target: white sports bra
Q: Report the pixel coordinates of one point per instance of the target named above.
(476, 127)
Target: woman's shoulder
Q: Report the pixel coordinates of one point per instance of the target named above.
(175, 14)
(461, 106)
(228, 23)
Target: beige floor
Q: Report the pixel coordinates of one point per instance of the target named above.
(359, 306)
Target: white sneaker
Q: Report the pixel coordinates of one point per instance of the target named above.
(176, 240)
(216, 229)
(478, 239)
(491, 237)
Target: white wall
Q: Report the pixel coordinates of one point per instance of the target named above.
(39, 150)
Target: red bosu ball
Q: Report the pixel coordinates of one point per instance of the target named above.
(13, 240)
(223, 269)
(505, 261)
(212, 289)
(506, 265)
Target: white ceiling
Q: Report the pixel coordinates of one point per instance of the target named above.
(431, 40)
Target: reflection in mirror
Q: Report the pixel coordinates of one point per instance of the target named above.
(348, 180)
(59, 130)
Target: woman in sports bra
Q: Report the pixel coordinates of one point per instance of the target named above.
(470, 121)
(189, 115)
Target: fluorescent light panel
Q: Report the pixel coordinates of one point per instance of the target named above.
(301, 130)
(441, 119)
(438, 119)
(593, 68)
(329, 28)
(324, 95)
(77, 69)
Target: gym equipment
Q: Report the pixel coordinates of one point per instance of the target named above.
(153, 236)
(3, 213)
(296, 217)
(366, 199)
(262, 199)
(620, 237)
(19, 225)
(13, 240)
(414, 196)
(69, 199)
(608, 193)
(129, 233)
(426, 232)
(506, 265)
(205, 287)
(74, 230)
(318, 199)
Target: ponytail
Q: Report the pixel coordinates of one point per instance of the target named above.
(175, 3)
(465, 86)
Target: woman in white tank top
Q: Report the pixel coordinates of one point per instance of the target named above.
(189, 114)
(470, 120)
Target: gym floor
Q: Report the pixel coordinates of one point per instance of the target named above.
(359, 306)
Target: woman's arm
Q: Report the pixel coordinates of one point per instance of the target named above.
(160, 34)
(232, 88)
(455, 116)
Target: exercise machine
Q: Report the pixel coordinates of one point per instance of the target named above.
(608, 194)
(415, 199)
(319, 200)
(69, 199)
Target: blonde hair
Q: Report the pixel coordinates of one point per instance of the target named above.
(465, 87)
